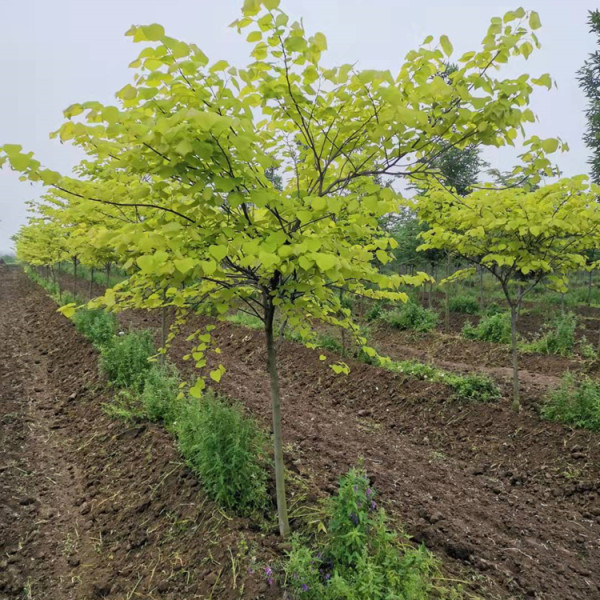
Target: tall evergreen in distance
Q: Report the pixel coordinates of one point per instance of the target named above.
(589, 82)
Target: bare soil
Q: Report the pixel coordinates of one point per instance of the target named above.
(92, 507)
(510, 503)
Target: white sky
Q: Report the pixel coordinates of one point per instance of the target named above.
(57, 52)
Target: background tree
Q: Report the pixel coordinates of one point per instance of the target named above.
(522, 238)
(589, 82)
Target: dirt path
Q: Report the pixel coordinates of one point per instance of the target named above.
(91, 507)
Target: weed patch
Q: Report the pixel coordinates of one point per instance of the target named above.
(125, 361)
(575, 402)
(411, 316)
(360, 557)
(227, 450)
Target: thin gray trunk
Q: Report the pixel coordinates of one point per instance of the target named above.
(107, 274)
(481, 306)
(284, 526)
(589, 297)
(91, 282)
(163, 333)
(515, 358)
(447, 294)
(74, 277)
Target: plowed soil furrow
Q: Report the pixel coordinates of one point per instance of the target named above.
(513, 497)
(506, 498)
(92, 507)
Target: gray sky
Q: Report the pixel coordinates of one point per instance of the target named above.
(57, 52)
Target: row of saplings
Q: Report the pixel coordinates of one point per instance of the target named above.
(355, 556)
(577, 399)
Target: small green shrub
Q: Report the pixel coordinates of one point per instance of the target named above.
(587, 350)
(125, 361)
(464, 304)
(360, 557)
(418, 370)
(495, 328)
(375, 311)
(493, 309)
(125, 406)
(558, 340)
(411, 316)
(326, 341)
(574, 402)
(470, 387)
(96, 324)
(226, 449)
(474, 388)
(160, 394)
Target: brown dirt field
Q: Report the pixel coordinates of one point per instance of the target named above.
(509, 496)
(506, 500)
(92, 507)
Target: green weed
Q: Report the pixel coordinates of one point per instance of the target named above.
(575, 402)
(96, 324)
(464, 304)
(160, 394)
(227, 450)
(411, 316)
(558, 340)
(125, 361)
(493, 328)
(360, 557)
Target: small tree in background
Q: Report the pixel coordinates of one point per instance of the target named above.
(522, 238)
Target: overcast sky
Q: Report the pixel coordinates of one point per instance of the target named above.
(57, 52)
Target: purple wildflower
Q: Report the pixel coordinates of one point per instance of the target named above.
(354, 518)
(373, 505)
(327, 576)
(368, 492)
(305, 587)
(268, 571)
(270, 581)
(250, 570)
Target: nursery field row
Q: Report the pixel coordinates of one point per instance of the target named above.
(479, 484)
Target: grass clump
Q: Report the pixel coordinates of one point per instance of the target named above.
(226, 449)
(245, 320)
(560, 339)
(474, 388)
(411, 316)
(470, 387)
(464, 304)
(374, 312)
(160, 396)
(574, 402)
(125, 361)
(125, 406)
(493, 328)
(360, 557)
(97, 325)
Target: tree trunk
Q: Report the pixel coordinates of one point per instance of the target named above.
(163, 334)
(91, 282)
(107, 274)
(515, 359)
(447, 295)
(284, 526)
(74, 277)
(481, 306)
(589, 297)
